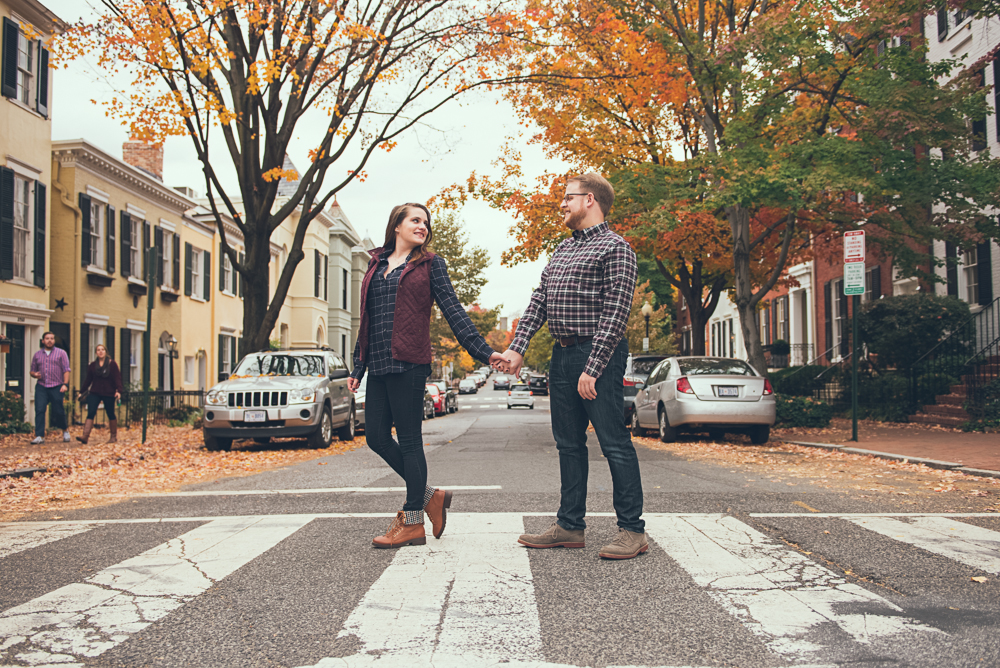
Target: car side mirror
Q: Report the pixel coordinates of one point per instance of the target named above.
(339, 373)
(223, 376)
(640, 385)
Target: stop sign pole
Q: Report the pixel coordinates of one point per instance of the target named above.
(854, 285)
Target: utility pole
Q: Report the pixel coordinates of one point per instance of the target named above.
(152, 259)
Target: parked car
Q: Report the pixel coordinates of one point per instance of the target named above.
(479, 378)
(713, 394)
(467, 386)
(359, 404)
(450, 395)
(428, 404)
(501, 382)
(520, 395)
(282, 393)
(538, 384)
(632, 387)
(441, 403)
(639, 366)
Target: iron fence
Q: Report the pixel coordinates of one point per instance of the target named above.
(165, 406)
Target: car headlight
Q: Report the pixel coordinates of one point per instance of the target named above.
(216, 398)
(307, 396)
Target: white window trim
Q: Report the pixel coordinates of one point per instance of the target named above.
(135, 325)
(227, 330)
(133, 210)
(99, 195)
(94, 269)
(29, 227)
(23, 169)
(137, 281)
(96, 319)
(168, 226)
(197, 274)
(168, 249)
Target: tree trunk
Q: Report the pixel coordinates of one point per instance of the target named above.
(260, 308)
(746, 299)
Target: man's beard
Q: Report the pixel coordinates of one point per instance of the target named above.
(575, 219)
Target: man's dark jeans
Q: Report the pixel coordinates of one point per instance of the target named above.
(398, 399)
(570, 415)
(43, 397)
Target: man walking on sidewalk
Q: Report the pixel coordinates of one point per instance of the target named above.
(50, 366)
(586, 295)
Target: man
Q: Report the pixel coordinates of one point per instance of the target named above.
(586, 294)
(50, 366)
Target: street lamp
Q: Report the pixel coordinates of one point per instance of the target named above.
(172, 346)
(647, 311)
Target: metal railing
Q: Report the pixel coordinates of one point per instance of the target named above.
(165, 406)
(797, 355)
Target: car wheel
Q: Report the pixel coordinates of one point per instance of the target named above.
(263, 440)
(668, 434)
(323, 436)
(346, 433)
(531, 407)
(634, 425)
(760, 434)
(217, 444)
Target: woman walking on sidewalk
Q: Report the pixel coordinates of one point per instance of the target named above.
(104, 380)
(394, 344)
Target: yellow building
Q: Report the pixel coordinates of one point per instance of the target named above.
(25, 226)
(105, 214)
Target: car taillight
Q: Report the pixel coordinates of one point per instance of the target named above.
(628, 382)
(531, 394)
(508, 393)
(684, 385)
(767, 387)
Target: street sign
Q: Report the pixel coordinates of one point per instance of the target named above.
(854, 278)
(854, 246)
(645, 344)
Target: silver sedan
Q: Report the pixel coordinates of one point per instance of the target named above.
(713, 394)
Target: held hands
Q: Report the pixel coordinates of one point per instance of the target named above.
(510, 362)
(353, 384)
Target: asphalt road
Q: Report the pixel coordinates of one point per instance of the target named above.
(277, 570)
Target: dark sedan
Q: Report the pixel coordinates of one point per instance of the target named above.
(538, 384)
(501, 382)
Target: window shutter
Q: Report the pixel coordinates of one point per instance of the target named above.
(84, 229)
(40, 201)
(187, 268)
(241, 285)
(232, 354)
(942, 23)
(876, 283)
(984, 271)
(177, 262)
(996, 91)
(828, 319)
(126, 243)
(42, 92)
(222, 355)
(222, 268)
(84, 351)
(125, 363)
(109, 341)
(316, 273)
(6, 223)
(326, 278)
(951, 268)
(8, 79)
(110, 240)
(208, 275)
(158, 242)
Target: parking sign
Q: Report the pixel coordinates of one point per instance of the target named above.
(854, 246)
(854, 278)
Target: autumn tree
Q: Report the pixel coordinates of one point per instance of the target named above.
(243, 78)
(661, 340)
(538, 356)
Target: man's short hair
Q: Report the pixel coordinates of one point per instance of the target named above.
(592, 182)
(44, 334)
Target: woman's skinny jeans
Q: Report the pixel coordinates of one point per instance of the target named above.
(398, 399)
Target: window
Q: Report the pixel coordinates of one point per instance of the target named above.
(840, 320)
(226, 354)
(135, 358)
(343, 346)
(135, 248)
(167, 258)
(765, 326)
(781, 327)
(320, 275)
(189, 370)
(197, 277)
(942, 23)
(228, 284)
(979, 124)
(95, 338)
(343, 289)
(98, 230)
(23, 198)
(27, 63)
(970, 260)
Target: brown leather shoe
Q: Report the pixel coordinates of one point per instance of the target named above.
(436, 509)
(400, 533)
(626, 545)
(556, 536)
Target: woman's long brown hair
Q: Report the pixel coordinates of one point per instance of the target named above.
(396, 218)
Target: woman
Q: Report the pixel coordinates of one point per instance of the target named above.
(104, 380)
(394, 344)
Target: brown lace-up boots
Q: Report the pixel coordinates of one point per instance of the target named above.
(400, 533)
(437, 510)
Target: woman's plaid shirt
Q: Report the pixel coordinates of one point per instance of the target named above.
(586, 290)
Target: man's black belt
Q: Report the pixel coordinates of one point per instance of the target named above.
(567, 341)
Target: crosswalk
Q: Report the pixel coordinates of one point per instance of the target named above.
(470, 598)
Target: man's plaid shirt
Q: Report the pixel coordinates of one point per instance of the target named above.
(586, 290)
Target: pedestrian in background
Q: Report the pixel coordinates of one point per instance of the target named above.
(50, 366)
(586, 295)
(394, 345)
(104, 382)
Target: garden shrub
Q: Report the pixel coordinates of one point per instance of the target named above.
(799, 381)
(801, 412)
(884, 397)
(182, 414)
(12, 414)
(902, 328)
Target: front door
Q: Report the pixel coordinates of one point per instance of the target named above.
(15, 360)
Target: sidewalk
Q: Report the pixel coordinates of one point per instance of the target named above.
(970, 450)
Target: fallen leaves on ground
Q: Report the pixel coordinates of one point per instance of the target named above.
(85, 475)
(859, 475)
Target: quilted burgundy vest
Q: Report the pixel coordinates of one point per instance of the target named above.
(411, 323)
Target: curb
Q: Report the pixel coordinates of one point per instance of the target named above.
(22, 473)
(932, 463)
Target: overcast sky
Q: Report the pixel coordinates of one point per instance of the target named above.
(464, 137)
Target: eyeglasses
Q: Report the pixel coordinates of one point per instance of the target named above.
(569, 195)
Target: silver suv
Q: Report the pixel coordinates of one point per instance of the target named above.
(279, 394)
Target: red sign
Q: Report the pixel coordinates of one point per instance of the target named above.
(854, 246)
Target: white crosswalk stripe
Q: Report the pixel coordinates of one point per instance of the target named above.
(470, 599)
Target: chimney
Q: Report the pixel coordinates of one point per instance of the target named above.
(145, 156)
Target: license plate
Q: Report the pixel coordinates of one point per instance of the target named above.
(729, 391)
(255, 416)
